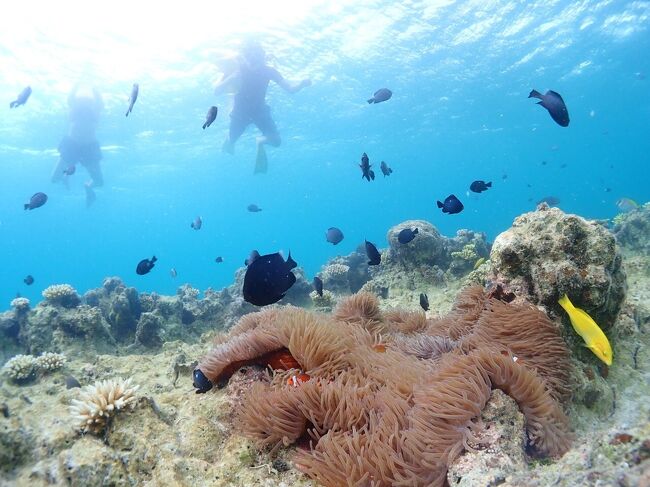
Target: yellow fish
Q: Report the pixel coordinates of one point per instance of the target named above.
(479, 263)
(586, 327)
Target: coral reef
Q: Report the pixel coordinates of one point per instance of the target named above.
(99, 402)
(62, 295)
(547, 253)
(335, 278)
(323, 303)
(20, 367)
(392, 402)
(20, 305)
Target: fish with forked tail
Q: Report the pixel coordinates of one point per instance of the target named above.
(365, 166)
(22, 98)
(145, 265)
(373, 254)
(210, 117)
(385, 169)
(451, 205)
(382, 94)
(554, 103)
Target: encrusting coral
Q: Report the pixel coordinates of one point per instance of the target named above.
(392, 399)
(99, 402)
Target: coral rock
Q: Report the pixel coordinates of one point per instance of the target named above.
(547, 253)
(62, 295)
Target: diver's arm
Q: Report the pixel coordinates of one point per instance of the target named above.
(289, 86)
(226, 83)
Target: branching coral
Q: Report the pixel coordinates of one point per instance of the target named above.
(20, 304)
(392, 399)
(99, 402)
(20, 367)
(62, 295)
(50, 361)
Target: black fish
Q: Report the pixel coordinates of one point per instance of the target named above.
(380, 95)
(386, 171)
(549, 200)
(145, 265)
(406, 235)
(479, 186)
(22, 98)
(71, 382)
(133, 97)
(253, 208)
(201, 382)
(424, 301)
(365, 165)
(252, 257)
(554, 103)
(219, 260)
(268, 278)
(333, 235)
(36, 201)
(70, 170)
(451, 205)
(210, 117)
(197, 223)
(318, 286)
(373, 254)
(29, 280)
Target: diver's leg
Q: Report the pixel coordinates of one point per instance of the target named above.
(238, 124)
(270, 135)
(57, 172)
(95, 171)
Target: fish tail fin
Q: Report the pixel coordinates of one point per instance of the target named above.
(489, 185)
(26, 206)
(566, 303)
(440, 205)
(535, 94)
(154, 259)
(371, 100)
(416, 231)
(14, 104)
(205, 125)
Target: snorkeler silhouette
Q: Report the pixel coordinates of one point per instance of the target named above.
(249, 80)
(81, 145)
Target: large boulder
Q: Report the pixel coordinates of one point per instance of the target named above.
(547, 253)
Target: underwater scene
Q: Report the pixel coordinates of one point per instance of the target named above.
(350, 243)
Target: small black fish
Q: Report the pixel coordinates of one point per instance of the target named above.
(406, 235)
(479, 186)
(386, 171)
(373, 254)
(608, 190)
(133, 97)
(70, 170)
(22, 98)
(210, 117)
(5, 410)
(201, 382)
(253, 208)
(252, 257)
(219, 260)
(554, 103)
(549, 200)
(145, 265)
(544, 163)
(71, 382)
(504, 177)
(380, 95)
(451, 205)
(29, 280)
(424, 301)
(563, 165)
(333, 235)
(268, 278)
(318, 286)
(365, 166)
(197, 223)
(36, 201)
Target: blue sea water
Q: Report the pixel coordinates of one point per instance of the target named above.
(460, 73)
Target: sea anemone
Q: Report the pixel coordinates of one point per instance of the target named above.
(99, 402)
(392, 399)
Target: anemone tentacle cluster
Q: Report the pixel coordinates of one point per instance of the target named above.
(391, 398)
(99, 402)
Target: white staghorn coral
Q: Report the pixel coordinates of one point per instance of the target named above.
(20, 367)
(97, 403)
(49, 361)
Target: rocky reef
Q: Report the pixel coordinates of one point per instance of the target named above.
(166, 435)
